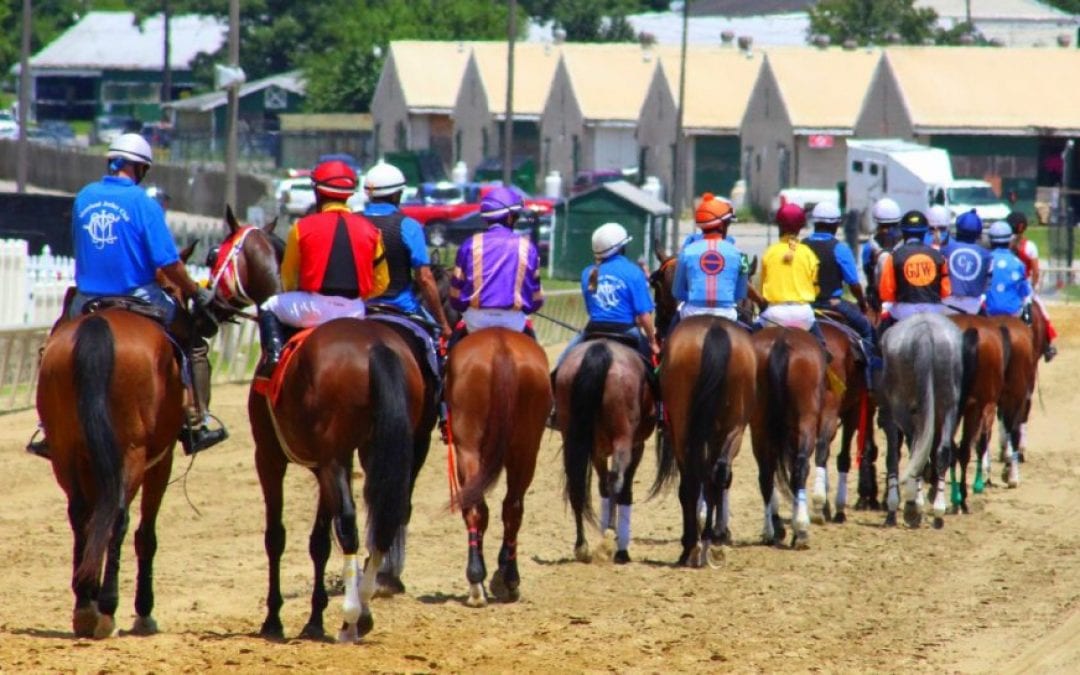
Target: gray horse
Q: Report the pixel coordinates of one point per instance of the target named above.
(921, 388)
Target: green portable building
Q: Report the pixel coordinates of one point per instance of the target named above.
(644, 216)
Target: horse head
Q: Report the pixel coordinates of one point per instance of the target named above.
(244, 266)
(662, 280)
(442, 282)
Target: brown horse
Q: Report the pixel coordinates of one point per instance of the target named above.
(499, 394)
(110, 397)
(605, 411)
(986, 353)
(791, 384)
(1014, 406)
(851, 411)
(353, 387)
(707, 372)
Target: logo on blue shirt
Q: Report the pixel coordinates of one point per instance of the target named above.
(965, 264)
(607, 291)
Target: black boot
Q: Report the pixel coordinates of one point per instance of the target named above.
(272, 339)
(196, 435)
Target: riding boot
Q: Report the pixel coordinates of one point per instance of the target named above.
(196, 435)
(272, 339)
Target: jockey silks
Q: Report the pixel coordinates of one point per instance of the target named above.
(710, 273)
(406, 250)
(622, 292)
(969, 268)
(830, 282)
(335, 253)
(497, 269)
(789, 272)
(1009, 287)
(915, 274)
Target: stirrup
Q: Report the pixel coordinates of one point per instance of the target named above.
(39, 447)
(1050, 352)
(198, 438)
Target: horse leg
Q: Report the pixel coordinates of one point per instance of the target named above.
(625, 501)
(520, 467)
(944, 460)
(153, 491)
(689, 492)
(271, 470)
(892, 471)
(843, 467)
(319, 549)
(1012, 467)
(476, 521)
(820, 496)
(356, 606)
(85, 615)
(109, 595)
(717, 533)
(772, 532)
(801, 517)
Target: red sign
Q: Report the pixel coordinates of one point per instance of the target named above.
(820, 141)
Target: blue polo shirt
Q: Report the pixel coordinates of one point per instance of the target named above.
(120, 237)
(1009, 286)
(969, 268)
(622, 291)
(412, 233)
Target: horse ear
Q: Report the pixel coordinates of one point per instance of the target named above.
(753, 266)
(658, 250)
(269, 227)
(230, 219)
(185, 253)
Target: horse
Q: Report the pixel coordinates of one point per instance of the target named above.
(498, 392)
(707, 371)
(605, 410)
(1014, 405)
(786, 420)
(920, 397)
(352, 387)
(850, 411)
(985, 357)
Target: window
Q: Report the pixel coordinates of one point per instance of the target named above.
(401, 140)
(457, 146)
(873, 169)
(857, 166)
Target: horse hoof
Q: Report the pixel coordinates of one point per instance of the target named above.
(818, 517)
(964, 509)
(387, 585)
(862, 504)
(605, 552)
(890, 519)
(272, 630)
(801, 541)
(715, 557)
(1020, 456)
(826, 511)
(84, 621)
(912, 515)
(621, 557)
(939, 522)
(366, 623)
(725, 537)
(502, 590)
(582, 554)
(313, 632)
(144, 625)
(476, 598)
(106, 626)
(697, 556)
(839, 517)
(348, 635)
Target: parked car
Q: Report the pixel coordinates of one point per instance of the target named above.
(9, 128)
(108, 127)
(454, 232)
(295, 196)
(157, 134)
(436, 204)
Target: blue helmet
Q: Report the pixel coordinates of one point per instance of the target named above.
(914, 224)
(969, 225)
(1000, 234)
(497, 205)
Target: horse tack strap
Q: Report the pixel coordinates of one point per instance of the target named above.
(289, 454)
(451, 466)
(270, 389)
(224, 276)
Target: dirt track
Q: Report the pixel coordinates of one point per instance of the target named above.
(998, 590)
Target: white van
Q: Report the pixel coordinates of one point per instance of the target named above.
(916, 176)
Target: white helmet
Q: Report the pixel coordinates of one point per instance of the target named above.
(1000, 233)
(938, 217)
(384, 179)
(609, 238)
(131, 147)
(827, 213)
(886, 211)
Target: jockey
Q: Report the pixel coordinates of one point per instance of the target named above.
(789, 272)
(496, 280)
(616, 293)
(1028, 252)
(121, 242)
(938, 218)
(334, 260)
(1009, 287)
(836, 267)
(886, 217)
(407, 257)
(969, 265)
(914, 277)
(698, 236)
(711, 274)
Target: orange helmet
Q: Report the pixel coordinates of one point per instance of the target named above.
(713, 212)
(334, 180)
(791, 218)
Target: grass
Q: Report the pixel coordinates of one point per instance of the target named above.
(1040, 235)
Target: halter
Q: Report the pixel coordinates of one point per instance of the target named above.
(225, 278)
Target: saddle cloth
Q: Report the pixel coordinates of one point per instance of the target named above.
(271, 387)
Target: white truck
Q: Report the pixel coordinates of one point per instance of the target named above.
(917, 177)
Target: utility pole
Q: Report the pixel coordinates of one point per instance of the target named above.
(677, 159)
(166, 80)
(22, 159)
(508, 124)
(234, 105)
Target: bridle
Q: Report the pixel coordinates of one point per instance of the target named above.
(225, 278)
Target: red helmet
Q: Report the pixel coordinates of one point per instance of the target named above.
(334, 180)
(791, 218)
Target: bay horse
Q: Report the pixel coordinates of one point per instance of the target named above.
(499, 395)
(351, 388)
(605, 410)
(920, 398)
(851, 411)
(985, 357)
(707, 371)
(786, 420)
(1014, 406)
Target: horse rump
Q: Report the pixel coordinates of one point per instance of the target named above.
(498, 428)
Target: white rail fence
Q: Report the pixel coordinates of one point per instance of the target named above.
(31, 294)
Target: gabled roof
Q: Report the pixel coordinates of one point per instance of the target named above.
(610, 80)
(534, 69)
(290, 81)
(822, 89)
(719, 81)
(633, 194)
(430, 72)
(980, 89)
(113, 41)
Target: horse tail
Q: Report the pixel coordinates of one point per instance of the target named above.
(777, 407)
(969, 357)
(95, 361)
(586, 406)
(389, 470)
(1006, 347)
(925, 350)
(495, 440)
(709, 394)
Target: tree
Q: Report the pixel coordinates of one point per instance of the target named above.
(873, 21)
(593, 20)
(1070, 6)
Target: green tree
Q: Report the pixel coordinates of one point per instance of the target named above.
(1070, 6)
(873, 21)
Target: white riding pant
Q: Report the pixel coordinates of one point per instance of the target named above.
(694, 310)
(789, 315)
(902, 310)
(512, 319)
(965, 304)
(303, 309)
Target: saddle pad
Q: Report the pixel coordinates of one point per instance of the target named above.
(418, 332)
(271, 387)
(852, 335)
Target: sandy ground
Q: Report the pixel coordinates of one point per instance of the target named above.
(997, 590)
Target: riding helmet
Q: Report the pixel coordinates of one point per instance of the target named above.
(383, 180)
(914, 224)
(826, 213)
(791, 218)
(713, 212)
(132, 148)
(334, 180)
(608, 239)
(969, 223)
(497, 205)
(1000, 233)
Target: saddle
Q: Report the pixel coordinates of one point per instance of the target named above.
(651, 377)
(417, 332)
(127, 303)
(836, 320)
